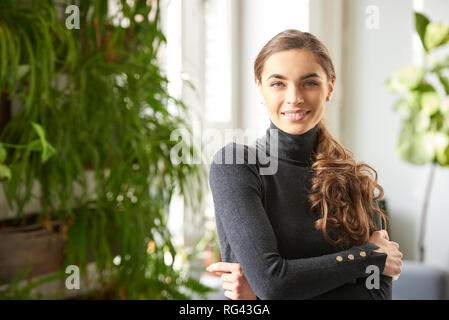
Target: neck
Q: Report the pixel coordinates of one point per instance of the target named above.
(297, 148)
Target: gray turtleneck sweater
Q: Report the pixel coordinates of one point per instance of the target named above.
(264, 223)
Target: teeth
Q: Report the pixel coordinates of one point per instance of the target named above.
(294, 114)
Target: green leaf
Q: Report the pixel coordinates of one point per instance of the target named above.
(441, 144)
(35, 145)
(48, 152)
(5, 172)
(430, 103)
(440, 65)
(415, 149)
(3, 153)
(443, 157)
(421, 121)
(421, 22)
(424, 87)
(405, 79)
(47, 149)
(40, 131)
(32, 63)
(437, 34)
(22, 70)
(445, 82)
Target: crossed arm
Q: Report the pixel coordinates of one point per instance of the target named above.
(245, 226)
(236, 285)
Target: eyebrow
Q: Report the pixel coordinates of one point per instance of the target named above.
(278, 76)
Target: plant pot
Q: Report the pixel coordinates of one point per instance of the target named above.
(37, 245)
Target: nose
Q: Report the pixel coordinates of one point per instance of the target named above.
(294, 96)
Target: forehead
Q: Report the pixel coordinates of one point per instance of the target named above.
(292, 64)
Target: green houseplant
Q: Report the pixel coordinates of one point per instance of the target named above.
(94, 132)
(424, 104)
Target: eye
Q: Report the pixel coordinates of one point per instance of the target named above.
(311, 83)
(276, 84)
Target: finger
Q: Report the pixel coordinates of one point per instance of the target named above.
(384, 234)
(219, 273)
(230, 286)
(222, 266)
(229, 294)
(228, 277)
(395, 244)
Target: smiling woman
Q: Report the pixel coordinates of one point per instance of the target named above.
(294, 86)
(311, 229)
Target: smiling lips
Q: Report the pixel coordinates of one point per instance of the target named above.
(295, 115)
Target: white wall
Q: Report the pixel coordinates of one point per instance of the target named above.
(370, 126)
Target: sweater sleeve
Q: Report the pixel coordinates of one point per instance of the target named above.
(237, 194)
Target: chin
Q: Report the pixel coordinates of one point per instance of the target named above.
(294, 128)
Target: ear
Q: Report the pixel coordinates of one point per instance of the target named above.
(330, 89)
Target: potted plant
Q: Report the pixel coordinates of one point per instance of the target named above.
(424, 105)
(92, 129)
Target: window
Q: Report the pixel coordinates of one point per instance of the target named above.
(199, 52)
(218, 61)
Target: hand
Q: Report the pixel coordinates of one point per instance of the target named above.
(234, 281)
(393, 264)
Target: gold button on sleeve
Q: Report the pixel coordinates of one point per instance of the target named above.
(350, 257)
(339, 258)
(363, 253)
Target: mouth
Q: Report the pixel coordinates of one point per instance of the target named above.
(295, 115)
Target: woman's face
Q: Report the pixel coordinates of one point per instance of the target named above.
(295, 89)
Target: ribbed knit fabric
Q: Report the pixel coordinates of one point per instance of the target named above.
(264, 223)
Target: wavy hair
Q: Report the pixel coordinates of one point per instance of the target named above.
(342, 190)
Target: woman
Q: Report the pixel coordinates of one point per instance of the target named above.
(311, 229)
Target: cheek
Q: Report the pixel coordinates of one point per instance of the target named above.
(317, 101)
(315, 97)
(319, 113)
(273, 101)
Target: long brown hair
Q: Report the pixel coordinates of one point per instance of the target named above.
(342, 190)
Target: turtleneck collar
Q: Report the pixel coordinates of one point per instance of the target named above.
(297, 148)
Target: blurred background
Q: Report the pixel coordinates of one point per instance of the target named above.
(98, 97)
